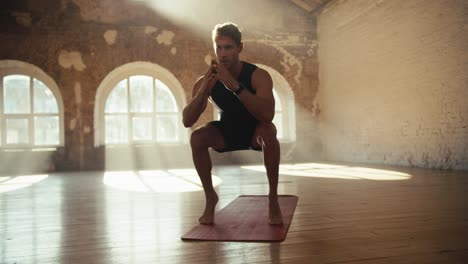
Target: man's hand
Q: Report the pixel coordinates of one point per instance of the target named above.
(225, 76)
(200, 93)
(209, 80)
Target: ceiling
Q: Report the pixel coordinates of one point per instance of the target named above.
(310, 6)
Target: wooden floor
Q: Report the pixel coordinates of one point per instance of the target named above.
(346, 214)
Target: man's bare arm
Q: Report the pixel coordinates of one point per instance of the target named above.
(261, 104)
(200, 93)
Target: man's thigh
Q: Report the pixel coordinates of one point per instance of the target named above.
(209, 135)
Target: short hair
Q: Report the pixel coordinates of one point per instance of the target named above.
(227, 29)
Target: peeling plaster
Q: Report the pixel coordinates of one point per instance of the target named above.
(208, 59)
(289, 60)
(150, 30)
(22, 18)
(293, 39)
(71, 59)
(173, 51)
(88, 9)
(165, 37)
(77, 89)
(72, 124)
(78, 100)
(316, 107)
(106, 11)
(110, 36)
(312, 47)
(87, 129)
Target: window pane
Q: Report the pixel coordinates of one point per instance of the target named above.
(17, 131)
(142, 128)
(277, 101)
(165, 101)
(167, 128)
(46, 130)
(141, 94)
(116, 129)
(44, 99)
(16, 94)
(117, 100)
(278, 121)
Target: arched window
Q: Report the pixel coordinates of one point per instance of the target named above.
(31, 108)
(139, 103)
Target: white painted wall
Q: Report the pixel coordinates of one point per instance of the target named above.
(394, 82)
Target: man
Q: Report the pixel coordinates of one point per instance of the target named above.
(244, 95)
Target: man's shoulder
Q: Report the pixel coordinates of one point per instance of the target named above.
(261, 76)
(249, 65)
(255, 69)
(260, 73)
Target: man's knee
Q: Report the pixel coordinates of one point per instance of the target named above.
(266, 134)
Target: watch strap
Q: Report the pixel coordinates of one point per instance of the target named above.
(241, 88)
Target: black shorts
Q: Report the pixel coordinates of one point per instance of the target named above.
(236, 136)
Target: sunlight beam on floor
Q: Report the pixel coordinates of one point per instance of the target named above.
(320, 170)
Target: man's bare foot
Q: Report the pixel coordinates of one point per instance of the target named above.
(275, 216)
(208, 216)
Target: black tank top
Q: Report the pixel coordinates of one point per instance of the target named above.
(229, 105)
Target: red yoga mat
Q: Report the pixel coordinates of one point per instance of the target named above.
(246, 219)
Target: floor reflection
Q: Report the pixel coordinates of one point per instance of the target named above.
(30, 220)
(11, 183)
(142, 225)
(176, 180)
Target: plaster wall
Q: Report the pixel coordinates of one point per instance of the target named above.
(394, 83)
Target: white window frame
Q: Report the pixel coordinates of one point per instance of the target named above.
(14, 67)
(124, 72)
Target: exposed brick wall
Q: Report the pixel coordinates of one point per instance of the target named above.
(394, 83)
(78, 42)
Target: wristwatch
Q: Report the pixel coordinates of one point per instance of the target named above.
(241, 88)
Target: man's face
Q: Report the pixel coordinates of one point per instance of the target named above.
(227, 51)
